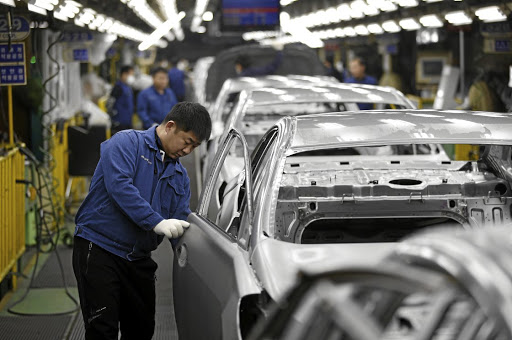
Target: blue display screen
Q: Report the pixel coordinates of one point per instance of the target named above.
(243, 14)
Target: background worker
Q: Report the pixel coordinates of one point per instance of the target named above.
(139, 193)
(177, 80)
(120, 104)
(157, 100)
(358, 75)
(244, 67)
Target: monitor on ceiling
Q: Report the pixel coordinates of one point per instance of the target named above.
(250, 15)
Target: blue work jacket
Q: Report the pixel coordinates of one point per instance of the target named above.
(123, 106)
(131, 191)
(368, 80)
(177, 82)
(152, 106)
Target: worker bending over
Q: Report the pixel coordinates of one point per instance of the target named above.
(139, 194)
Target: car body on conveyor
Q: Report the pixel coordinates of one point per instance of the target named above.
(297, 59)
(231, 88)
(257, 109)
(316, 193)
(442, 284)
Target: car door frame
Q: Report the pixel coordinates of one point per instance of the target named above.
(211, 270)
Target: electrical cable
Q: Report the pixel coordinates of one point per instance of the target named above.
(41, 223)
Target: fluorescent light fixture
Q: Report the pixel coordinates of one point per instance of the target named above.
(408, 3)
(332, 15)
(361, 30)
(207, 16)
(458, 18)
(36, 9)
(432, 0)
(60, 16)
(391, 26)
(299, 32)
(375, 29)
(339, 32)
(349, 31)
(79, 23)
(490, 14)
(383, 5)
(43, 4)
(409, 24)
(431, 20)
(10, 3)
(344, 12)
(157, 34)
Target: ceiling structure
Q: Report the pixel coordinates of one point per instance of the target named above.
(162, 22)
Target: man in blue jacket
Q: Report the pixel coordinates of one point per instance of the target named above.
(157, 100)
(139, 194)
(120, 104)
(177, 80)
(357, 68)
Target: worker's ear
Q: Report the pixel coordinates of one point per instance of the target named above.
(170, 126)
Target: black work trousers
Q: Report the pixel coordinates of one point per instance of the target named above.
(114, 293)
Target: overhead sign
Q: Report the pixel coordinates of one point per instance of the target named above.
(76, 37)
(13, 69)
(20, 28)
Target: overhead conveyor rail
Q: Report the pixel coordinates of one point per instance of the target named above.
(12, 211)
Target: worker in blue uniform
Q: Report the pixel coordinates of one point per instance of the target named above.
(177, 80)
(139, 194)
(120, 104)
(244, 67)
(358, 75)
(157, 100)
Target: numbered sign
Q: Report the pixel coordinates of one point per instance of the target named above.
(13, 69)
(20, 28)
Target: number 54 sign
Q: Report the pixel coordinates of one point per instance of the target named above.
(20, 28)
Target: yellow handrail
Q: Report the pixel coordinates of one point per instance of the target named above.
(12, 212)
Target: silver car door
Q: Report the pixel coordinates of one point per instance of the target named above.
(211, 270)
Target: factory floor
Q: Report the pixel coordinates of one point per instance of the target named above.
(44, 305)
(55, 314)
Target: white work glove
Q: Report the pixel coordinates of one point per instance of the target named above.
(171, 228)
(278, 46)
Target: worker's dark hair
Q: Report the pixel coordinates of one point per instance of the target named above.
(243, 60)
(158, 69)
(191, 117)
(126, 69)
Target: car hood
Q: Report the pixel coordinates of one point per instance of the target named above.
(277, 263)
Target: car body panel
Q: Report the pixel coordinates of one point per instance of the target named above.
(279, 264)
(274, 263)
(297, 59)
(401, 126)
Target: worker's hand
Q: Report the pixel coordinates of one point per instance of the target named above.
(171, 228)
(278, 46)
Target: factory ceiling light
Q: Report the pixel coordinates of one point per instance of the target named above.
(161, 30)
(375, 29)
(35, 9)
(409, 24)
(390, 26)
(431, 20)
(458, 18)
(8, 3)
(490, 14)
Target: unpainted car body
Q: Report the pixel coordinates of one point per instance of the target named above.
(290, 208)
(447, 284)
(297, 59)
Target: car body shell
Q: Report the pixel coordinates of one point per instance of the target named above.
(216, 271)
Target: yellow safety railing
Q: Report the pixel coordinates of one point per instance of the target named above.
(12, 212)
(59, 164)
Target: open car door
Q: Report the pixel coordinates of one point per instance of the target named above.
(211, 270)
